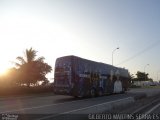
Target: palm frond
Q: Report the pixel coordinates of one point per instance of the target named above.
(16, 64)
(21, 60)
(40, 59)
(30, 54)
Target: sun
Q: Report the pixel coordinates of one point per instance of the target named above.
(3, 70)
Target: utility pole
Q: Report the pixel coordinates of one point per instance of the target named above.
(144, 70)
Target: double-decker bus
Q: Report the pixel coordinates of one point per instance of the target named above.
(80, 77)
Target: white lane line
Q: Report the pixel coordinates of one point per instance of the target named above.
(151, 110)
(141, 108)
(47, 117)
(10, 99)
(36, 107)
(15, 110)
(96, 105)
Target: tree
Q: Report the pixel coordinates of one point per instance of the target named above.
(32, 69)
(141, 76)
(45, 83)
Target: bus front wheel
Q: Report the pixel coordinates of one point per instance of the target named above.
(92, 92)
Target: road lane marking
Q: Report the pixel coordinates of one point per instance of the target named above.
(36, 107)
(152, 109)
(96, 105)
(15, 110)
(47, 117)
(143, 107)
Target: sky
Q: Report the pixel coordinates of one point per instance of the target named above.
(90, 29)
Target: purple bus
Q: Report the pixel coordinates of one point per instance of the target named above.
(80, 77)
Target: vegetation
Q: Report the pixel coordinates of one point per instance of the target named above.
(141, 76)
(24, 90)
(29, 71)
(138, 81)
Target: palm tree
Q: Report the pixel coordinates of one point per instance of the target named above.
(30, 55)
(32, 69)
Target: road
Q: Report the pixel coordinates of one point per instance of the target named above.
(49, 106)
(144, 109)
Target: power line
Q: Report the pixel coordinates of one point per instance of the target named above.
(141, 52)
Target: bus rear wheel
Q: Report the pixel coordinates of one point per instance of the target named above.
(92, 92)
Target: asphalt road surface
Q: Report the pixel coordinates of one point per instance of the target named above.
(49, 106)
(53, 104)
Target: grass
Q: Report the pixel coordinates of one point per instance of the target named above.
(9, 91)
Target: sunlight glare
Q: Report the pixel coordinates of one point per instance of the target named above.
(3, 70)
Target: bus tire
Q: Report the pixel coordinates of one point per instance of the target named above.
(92, 92)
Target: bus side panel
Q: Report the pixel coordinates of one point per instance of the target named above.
(75, 77)
(77, 70)
(85, 75)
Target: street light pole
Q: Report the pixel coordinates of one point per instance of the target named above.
(113, 53)
(144, 70)
(157, 75)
